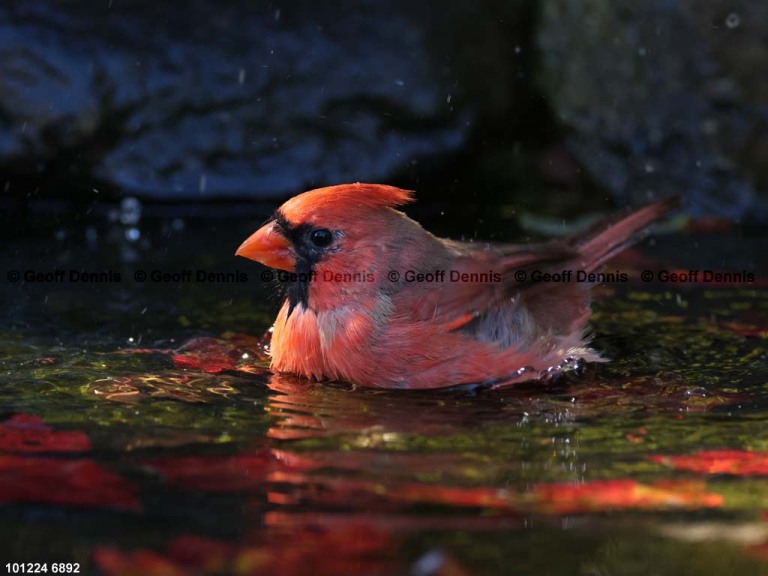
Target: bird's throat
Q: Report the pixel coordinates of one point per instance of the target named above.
(297, 285)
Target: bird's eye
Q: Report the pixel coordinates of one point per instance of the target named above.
(321, 237)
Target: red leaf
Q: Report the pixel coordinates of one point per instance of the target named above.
(214, 355)
(747, 330)
(283, 477)
(242, 472)
(206, 354)
(481, 497)
(751, 324)
(27, 433)
(356, 548)
(140, 563)
(605, 495)
(79, 482)
(736, 462)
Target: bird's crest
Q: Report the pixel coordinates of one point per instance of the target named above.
(348, 196)
(370, 195)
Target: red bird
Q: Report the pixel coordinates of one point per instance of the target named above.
(375, 300)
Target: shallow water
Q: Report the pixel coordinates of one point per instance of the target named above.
(143, 433)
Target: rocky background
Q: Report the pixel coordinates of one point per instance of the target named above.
(556, 105)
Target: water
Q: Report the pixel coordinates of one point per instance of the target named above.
(161, 441)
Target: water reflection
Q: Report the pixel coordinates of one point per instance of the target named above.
(305, 409)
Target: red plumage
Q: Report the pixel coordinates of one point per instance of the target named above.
(353, 315)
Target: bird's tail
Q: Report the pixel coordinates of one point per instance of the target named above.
(608, 237)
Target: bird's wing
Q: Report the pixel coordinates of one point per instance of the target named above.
(488, 292)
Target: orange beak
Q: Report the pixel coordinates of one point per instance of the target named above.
(268, 246)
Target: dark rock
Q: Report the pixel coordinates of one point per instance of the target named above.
(735, 32)
(652, 107)
(239, 99)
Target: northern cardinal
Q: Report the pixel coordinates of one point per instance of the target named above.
(375, 300)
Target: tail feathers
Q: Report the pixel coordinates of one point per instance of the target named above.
(608, 237)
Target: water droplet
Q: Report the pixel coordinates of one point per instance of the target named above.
(132, 234)
(732, 20)
(430, 563)
(400, 82)
(241, 76)
(130, 211)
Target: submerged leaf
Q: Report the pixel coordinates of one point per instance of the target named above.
(241, 472)
(604, 495)
(735, 462)
(79, 482)
(27, 433)
(357, 548)
(214, 355)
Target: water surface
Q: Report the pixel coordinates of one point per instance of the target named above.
(143, 433)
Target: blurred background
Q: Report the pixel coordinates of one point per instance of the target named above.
(114, 111)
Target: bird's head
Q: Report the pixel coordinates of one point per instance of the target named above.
(332, 233)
